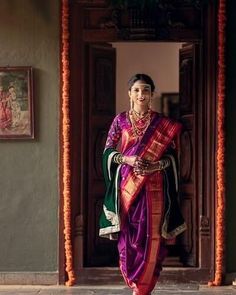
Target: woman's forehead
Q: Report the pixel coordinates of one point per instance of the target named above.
(141, 84)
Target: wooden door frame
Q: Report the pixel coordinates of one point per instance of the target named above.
(207, 185)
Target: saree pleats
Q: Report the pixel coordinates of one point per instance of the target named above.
(140, 242)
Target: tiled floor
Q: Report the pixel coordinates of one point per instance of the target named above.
(184, 289)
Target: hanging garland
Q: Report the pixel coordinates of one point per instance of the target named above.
(66, 141)
(220, 210)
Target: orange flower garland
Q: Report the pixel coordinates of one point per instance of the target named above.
(220, 210)
(66, 141)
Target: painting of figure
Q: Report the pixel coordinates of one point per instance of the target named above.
(16, 103)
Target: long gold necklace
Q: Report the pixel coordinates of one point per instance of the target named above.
(139, 122)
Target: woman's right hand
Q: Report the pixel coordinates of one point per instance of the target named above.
(130, 160)
(135, 161)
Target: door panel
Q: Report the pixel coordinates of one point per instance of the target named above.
(184, 250)
(101, 110)
(188, 86)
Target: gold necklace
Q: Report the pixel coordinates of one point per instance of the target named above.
(139, 125)
(140, 115)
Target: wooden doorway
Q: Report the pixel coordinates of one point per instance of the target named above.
(100, 92)
(199, 265)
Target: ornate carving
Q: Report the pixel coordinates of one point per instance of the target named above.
(204, 225)
(106, 22)
(167, 4)
(155, 19)
(91, 2)
(99, 18)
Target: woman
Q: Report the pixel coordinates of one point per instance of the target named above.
(15, 106)
(140, 207)
(5, 110)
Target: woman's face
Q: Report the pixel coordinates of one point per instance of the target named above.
(11, 89)
(140, 93)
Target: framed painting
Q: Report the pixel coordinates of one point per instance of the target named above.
(170, 104)
(16, 103)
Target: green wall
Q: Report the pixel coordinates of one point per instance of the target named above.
(231, 137)
(29, 36)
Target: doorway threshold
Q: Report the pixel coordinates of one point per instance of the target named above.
(169, 275)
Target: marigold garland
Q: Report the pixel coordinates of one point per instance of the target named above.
(220, 210)
(66, 141)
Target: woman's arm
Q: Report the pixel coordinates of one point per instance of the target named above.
(114, 134)
(113, 138)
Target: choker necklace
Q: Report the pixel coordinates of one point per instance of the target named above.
(140, 115)
(139, 124)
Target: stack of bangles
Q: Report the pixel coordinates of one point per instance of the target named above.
(162, 164)
(118, 159)
(159, 165)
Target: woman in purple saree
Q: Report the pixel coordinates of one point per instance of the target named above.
(140, 206)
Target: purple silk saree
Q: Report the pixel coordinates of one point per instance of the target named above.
(140, 243)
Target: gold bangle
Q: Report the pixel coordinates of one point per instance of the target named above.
(118, 159)
(163, 164)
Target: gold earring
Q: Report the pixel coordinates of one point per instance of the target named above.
(150, 104)
(131, 104)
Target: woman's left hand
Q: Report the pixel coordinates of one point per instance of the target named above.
(147, 170)
(151, 167)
